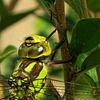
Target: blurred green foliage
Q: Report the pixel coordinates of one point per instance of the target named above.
(7, 52)
(83, 36)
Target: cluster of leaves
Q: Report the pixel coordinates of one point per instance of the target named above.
(85, 41)
(84, 35)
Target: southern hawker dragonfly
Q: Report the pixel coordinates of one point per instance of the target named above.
(29, 79)
(52, 91)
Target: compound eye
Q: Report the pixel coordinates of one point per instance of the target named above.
(34, 52)
(40, 49)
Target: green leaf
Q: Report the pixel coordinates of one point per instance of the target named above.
(40, 4)
(80, 60)
(72, 15)
(93, 74)
(93, 5)
(93, 60)
(3, 11)
(48, 3)
(85, 79)
(85, 36)
(76, 6)
(7, 52)
(87, 82)
(11, 19)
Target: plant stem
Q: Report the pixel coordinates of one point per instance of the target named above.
(85, 9)
(98, 73)
(1, 90)
(12, 5)
(61, 24)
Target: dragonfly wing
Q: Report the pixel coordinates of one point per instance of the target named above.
(56, 91)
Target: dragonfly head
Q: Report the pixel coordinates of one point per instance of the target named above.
(34, 46)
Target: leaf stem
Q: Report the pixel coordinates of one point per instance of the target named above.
(85, 9)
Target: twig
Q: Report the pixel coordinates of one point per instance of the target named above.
(85, 9)
(53, 90)
(12, 5)
(61, 24)
(98, 73)
(1, 90)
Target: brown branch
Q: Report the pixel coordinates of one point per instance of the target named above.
(85, 9)
(1, 90)
(61, 24)
(12, 5)
(98, 73)
(53, 89)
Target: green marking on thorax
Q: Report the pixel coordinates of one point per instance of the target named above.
(29, 67)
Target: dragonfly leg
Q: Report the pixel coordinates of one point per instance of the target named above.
(57, 96)
(54, 50)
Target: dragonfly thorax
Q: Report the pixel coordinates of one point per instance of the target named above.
(25, 80)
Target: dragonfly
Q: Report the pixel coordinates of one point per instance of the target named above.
(80, 92)
(29, 79)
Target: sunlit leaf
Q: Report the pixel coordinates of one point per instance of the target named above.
(85, 79)
(93, 74)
